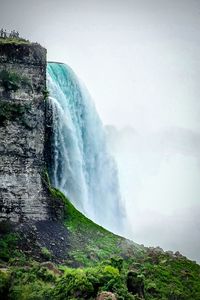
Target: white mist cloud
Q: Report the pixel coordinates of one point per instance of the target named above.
(159, 175)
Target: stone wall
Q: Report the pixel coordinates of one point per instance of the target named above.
(23, 194)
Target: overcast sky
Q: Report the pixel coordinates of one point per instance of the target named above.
(140, 63)
(139, 59)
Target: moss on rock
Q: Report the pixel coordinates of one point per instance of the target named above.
(89, 242)
(11, 111)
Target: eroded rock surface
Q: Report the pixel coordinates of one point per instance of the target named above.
(23, 194)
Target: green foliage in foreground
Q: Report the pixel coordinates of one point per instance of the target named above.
(101, 261)
(46, 253)
(172, 280)
(8, 244)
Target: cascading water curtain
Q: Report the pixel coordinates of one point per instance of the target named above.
(83, 169)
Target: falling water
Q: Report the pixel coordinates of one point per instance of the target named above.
(82, 169)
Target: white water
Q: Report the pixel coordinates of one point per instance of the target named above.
(82, 169)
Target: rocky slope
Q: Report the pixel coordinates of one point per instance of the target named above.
(77, 259)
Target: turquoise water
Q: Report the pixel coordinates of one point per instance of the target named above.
(83, 169)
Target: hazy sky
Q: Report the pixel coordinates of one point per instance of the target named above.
(159, 178)
(139, 59)
(140, 62)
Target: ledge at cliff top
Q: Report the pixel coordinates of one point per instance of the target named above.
(23, 133)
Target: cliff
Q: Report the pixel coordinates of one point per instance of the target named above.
(112, 267)
(23, 195)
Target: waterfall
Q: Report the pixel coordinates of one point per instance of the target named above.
(83, 169)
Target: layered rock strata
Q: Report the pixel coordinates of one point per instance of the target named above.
(23, 194)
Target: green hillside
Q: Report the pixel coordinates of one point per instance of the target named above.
(95, 261)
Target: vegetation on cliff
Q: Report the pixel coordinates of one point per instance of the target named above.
(15, 41)
(12, 81)
(96, 261)
(10, 111)
(156, 276)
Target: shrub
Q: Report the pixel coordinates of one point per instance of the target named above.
(117, 262)
(31, 282)
(74, 284)
(8, 243)
(4, 284)
(45, 94)
(12, 112)
(12, 81)
(107, 278)
(31, 291)
(46, 253)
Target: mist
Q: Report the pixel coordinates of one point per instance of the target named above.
(159, 174)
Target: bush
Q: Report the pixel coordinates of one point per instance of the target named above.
(4, 284)
(74, 284)
(45, 94)
(117, 262)
(31, 291)
(8, 243)
(12, 112)
(46, 253)
(12, 81)
(31, 283)
(108, 278)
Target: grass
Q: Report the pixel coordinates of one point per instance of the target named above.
(177, 279)
(165, 276)
(16, 41)
(89, 242)
(97, 261)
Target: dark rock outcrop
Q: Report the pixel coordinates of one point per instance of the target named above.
(23, 133)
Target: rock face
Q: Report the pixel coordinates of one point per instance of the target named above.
(23, 194)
